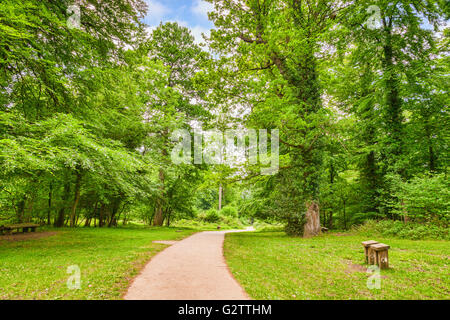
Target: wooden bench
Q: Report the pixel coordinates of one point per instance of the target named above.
(370, 259)
(381, 255)
(376, 253)
(24, 226)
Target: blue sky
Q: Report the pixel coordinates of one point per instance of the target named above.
(188, 13)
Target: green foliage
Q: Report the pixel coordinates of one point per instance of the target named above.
(400, 229)
(294, 225)
(212, 216)
(211, 219)
(229, 211)
(425, 199)
(86, 114)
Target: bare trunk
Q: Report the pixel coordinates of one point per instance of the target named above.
(102, 212)
(115, 208)
(159, 217)
(405, 213)
(49, 211)
(61, 214)
(345, 219)
(88, 219)
(76, 200)
(432, 162)
(330, 220)
(220, 197)
(21, 210)
(312, 225)
(30, 208)
(169, 213)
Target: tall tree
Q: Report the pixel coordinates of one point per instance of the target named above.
(174, 47)
(275, 45)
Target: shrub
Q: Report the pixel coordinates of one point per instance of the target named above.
(399, 229)
(424, 199)
(362, 217)
(229, 211)
(212, 216)
(268, 226)
(231, 222)
(294, 225)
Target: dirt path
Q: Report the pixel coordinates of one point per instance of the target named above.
(191, 269)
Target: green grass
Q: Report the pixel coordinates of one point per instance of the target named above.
(108, 260)
(271, 265)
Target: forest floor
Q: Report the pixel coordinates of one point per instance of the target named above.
(108, 259)
(191, 269)
(271, 265)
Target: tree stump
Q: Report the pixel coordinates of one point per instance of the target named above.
(312, 226)
(367, 245)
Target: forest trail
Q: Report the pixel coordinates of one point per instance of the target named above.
(191, 269)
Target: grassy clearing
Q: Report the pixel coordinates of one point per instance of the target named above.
(271, 265)
(108, 260)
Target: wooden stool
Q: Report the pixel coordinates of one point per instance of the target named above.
(367, 245)
(381, 254)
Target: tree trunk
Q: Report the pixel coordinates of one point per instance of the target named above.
(432, 157)
(220, 197)
(159, 217)
(115, 208)
(101, 215)
(312, 225)
(49, 211)
(168, 214)
(394, 117)
(330, 220)
(59, 222)
(345, 219)
(88, 219)
(30, 208)
(404, 211)
(75, 200)
(77, 217)
(21, 210)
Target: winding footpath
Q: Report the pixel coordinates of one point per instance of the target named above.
(190, 269)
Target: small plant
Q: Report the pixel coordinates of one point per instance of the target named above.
(212, 216)
(294, 225)
(229, 211)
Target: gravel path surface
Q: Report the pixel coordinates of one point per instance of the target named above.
(191, 269)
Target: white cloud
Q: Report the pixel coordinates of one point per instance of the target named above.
(201, 8)
(156, 10)
(197, 33)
